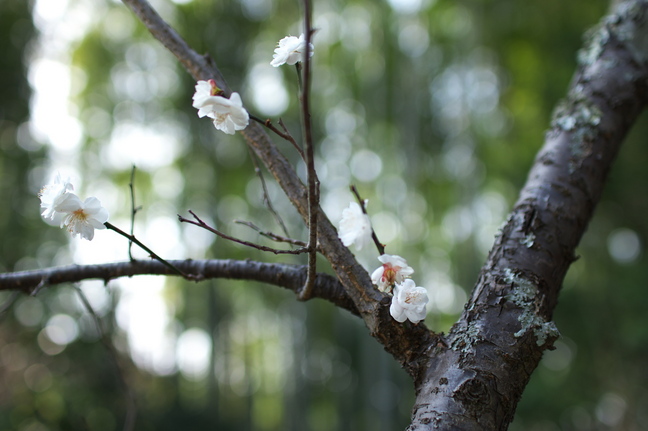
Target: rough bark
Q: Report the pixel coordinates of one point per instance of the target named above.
(476, 382)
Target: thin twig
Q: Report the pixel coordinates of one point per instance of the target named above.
(313, 182)
(148, 250)
(8, 303)
(266, 195)
(200, 223)
(134, 210)
(270, 235)
(285, 134)
(131, 405)
(380, 246)
(42, 283)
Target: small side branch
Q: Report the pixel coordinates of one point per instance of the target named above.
(270, 235)
(380, 246)
(285, 134)
(145, 248)
(266, 195)
(200, 223)
(134, 211)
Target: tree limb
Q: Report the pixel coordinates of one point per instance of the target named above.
(476, 383)
(291, 277)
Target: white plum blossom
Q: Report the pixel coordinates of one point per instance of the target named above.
(52, 195)
(394, 270)
(82, 218)
(228, 114)
(408, 302)
(355, 226)
(290, 50)
(78, 217)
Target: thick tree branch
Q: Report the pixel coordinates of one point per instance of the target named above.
(476, 383)
(405, 342)
(291, 277)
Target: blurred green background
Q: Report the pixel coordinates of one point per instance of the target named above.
(433, 108)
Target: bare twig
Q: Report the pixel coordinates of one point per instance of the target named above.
(134, 211)
(285, 134)
(313, 182)
(148, 250)
(380, 246)
(131, 405)
(272, 236)
(8, 303)
(200, 223)
(266, 195)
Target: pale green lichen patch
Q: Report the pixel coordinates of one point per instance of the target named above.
(463, 340)
(523, 294)
(631, 27)
(595, 41)
(579, 116)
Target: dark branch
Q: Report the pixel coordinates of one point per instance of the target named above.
(311, 174)
(291, 277)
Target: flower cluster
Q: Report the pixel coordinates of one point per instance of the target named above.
(228, 114)
(290, 50)
(77, 216)
(393, 277)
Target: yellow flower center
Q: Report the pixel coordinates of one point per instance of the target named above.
(80, 215)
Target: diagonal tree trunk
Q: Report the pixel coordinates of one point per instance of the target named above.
(475, 381)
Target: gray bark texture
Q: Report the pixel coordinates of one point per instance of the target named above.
(473, 377)
(476, 378)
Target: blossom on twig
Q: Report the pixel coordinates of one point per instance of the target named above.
(78, 217)
(408, 302)
(290, 50)
(83, 218)
(52, 195)
(228, 114)
(355, 226)
(393, 270)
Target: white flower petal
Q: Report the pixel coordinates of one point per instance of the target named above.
(290, 50)
(355, 227)
(409, 302)
(228, 114)
(52, 195)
